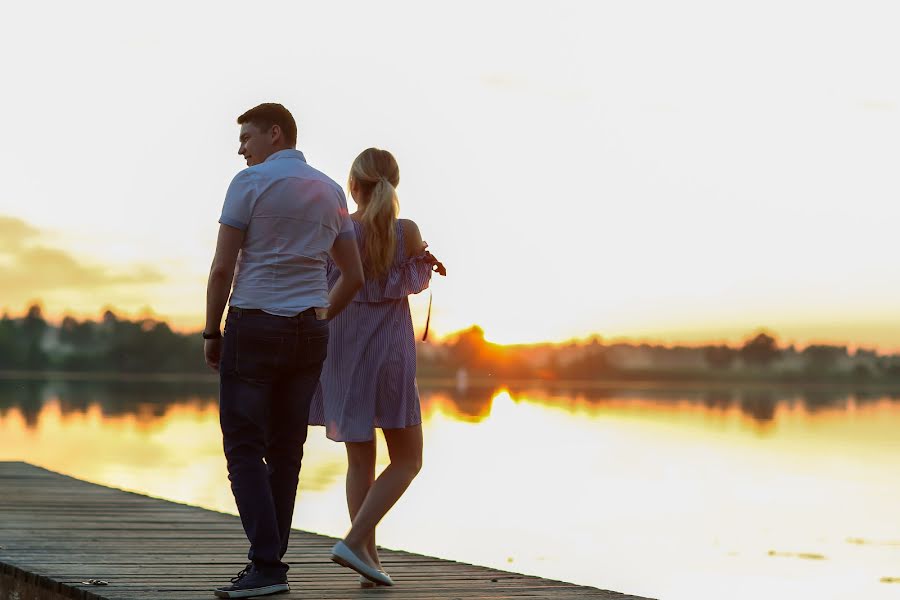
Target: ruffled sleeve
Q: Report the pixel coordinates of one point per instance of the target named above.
(405, 276)
(409, 276)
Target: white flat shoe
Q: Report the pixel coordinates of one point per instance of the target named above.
(365, 583)
(345, 557)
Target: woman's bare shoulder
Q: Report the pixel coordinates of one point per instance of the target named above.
(409, 226)
(412, 237)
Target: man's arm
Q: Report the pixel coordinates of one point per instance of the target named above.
(345, 255)
(221, 276)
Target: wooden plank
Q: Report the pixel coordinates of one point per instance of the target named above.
(57, 532)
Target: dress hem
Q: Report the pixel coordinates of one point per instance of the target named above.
(366, 440)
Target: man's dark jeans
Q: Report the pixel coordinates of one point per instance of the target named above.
(269, 372)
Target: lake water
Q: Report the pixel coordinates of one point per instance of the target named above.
(674, 493)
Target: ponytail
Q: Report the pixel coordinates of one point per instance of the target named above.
(377, 174)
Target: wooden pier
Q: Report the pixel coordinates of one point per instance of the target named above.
(62, 538)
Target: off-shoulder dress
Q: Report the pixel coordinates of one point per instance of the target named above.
(368, 380)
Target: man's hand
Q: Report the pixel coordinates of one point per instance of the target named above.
(221, 275)
(212, 350)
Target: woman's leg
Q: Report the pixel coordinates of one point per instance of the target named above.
(360, 475)
(405, 449)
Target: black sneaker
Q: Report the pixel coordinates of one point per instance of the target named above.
(250, 582)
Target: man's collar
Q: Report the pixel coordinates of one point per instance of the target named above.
(286, 153)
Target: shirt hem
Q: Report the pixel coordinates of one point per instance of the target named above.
(233, 223)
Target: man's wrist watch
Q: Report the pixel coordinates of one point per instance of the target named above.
(216, 335)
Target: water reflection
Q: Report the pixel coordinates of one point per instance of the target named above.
(717, 491)
(470, 404)
(113, 398)
(757, 402)
(151, 398)
(718, 399)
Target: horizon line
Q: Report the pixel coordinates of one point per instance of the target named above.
(147, 313)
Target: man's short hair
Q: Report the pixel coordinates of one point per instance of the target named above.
(271, 113)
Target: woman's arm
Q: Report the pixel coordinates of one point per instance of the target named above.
(415, 246)
(412, 238)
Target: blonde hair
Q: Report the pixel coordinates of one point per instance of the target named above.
(377, 175)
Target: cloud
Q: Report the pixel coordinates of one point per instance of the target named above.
(879, 105)
(14, 232)
(31, 269)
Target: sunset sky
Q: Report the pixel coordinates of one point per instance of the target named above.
(676, 171)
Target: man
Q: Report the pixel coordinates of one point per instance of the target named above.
(279, 219)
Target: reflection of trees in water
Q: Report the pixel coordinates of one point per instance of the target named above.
(154, 398)
(27, 396)
(894, 395)
(718, 399)
(474, 403)
(592, 395)
(819, 399)
(114, 398)
(864, 397)
(759, 404)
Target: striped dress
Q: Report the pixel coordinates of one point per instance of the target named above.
(369, 377)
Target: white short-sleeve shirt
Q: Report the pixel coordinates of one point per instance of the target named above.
(290, 214)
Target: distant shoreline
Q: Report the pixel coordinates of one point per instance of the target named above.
(482, 382)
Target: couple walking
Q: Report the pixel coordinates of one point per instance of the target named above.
(318, 331)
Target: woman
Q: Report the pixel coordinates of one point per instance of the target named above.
(369, 377)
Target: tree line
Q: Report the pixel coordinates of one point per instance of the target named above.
(146, 345)
(110, 343)
(760, 356)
